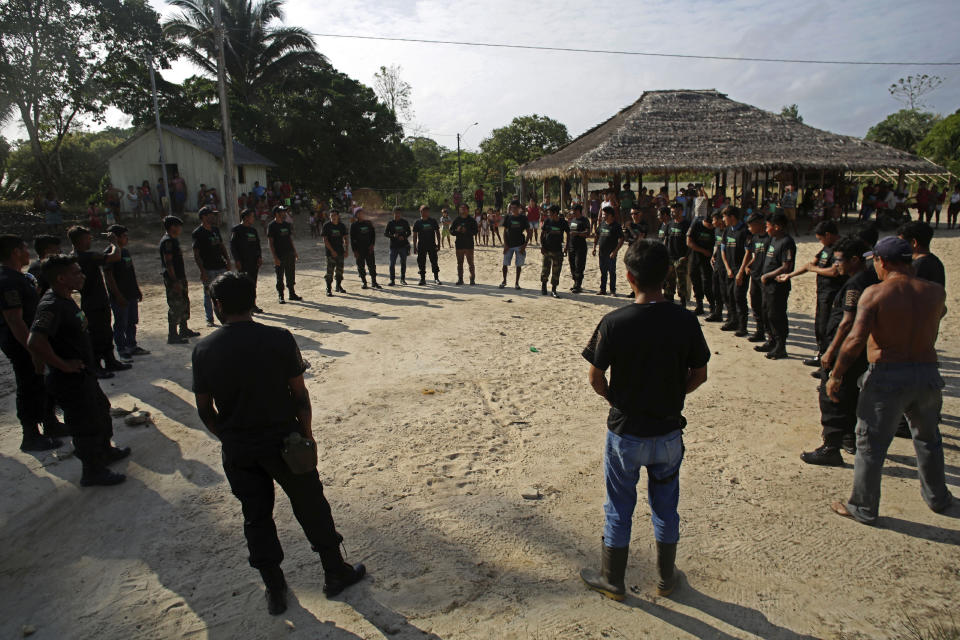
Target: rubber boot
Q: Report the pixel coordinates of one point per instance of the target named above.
(338, 575)
(666, 556)
(276, 593)
(609, 580)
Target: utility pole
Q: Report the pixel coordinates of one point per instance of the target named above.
(459, 174)
(156, 115)
(229, 170)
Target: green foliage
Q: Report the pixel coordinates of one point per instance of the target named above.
(942, 143)
(526, 138)
(791, 111)
(904, 129)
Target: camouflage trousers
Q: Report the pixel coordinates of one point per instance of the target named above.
(334, 268)
(552, 261)
(677, 282)
(178, 303)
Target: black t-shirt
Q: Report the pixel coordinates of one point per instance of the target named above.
(65, 326)
(551, 234)
(635, 231)
(282, 234)
(649, 349)
(245, 246)
(847, 298)
(463, 230)
(677, 239)
(124, 275)
(757, 244)
(335, 235)
(701, 235)
(825, 284)
(662, 232)
(170, 248)
(735, 245)
(36, 270)
(579, 225)
(515, 233)
(930, 268)
(362, 235)
(426, 231)
(779, 251)
(17, 291)
(609, 236)
(93, 295)
(210, 245)
(246, 367)
(398, 231)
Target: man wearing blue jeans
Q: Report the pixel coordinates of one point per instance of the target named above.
(898, 321)
(125, 296)
(649, 381)
(211, 256)
(610, 239)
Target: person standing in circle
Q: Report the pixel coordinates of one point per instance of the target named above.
(285, 256)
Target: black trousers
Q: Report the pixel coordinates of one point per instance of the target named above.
(251, 480)
(839, 419)
(422, 254)
(252, 271)
(720, 291)
(401, 253)
(101, 331)
(286, 269)
(756, 304)
(578, 262)
(824, 304)
(701, 277)
(365, 261)
(737, 301)
(86, 413)
(31, 394)
(775, 296)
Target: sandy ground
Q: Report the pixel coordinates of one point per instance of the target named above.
(433, 415)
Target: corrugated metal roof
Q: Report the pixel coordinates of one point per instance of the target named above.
(209, 141)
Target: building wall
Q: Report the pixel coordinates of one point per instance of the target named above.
(139, 161)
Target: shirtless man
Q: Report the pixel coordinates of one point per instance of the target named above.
(898, 321)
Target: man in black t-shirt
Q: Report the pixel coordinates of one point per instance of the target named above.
(780, 256)
(175, 282)
(516, 236)
(125, 297)
(284, 253)
(580, 227)
(210, 254)
(245, 249)
(609, 238)
(250, 393)
(925, 264)
(426, 239)
(18, 305)
(45, 246)
(733, 254)
(719, 272)
(551, 246)
(362, 240)
(398, 230)
(657, 355)
(463, 229)
(676, 241)
(636, 227)
(334, 234)
(700, 239)
(94, 299)
(756, 251)
(59, 338)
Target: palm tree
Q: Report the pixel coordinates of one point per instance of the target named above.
(256, 51)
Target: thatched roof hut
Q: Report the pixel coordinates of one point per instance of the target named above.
(704, 131)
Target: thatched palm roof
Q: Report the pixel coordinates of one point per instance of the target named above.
(705, 131)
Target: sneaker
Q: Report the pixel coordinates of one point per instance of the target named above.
(503, 284)
(825, 456)
(403, 281)
(329, 293)
(812, 362)
(295, 298)
(39, 443)
(473, 282)
(281, 301)
(102, 477)
(517, 287)
(138, 351)
(176, 340)
(436, 280)
(554, 293)
(460, 282)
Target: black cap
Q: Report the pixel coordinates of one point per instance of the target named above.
(279, 208)
(206, 211)
(116, 229)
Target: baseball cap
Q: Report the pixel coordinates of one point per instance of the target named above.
(891, 248)
(116, 229)
(278, 208)
(206, 210)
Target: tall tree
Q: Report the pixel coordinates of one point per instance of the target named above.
(66, 61)
(258, 49)
(394, 92)
(791, 111)
(903, 129)
(942, 144)
(526, 138)
(912, 89)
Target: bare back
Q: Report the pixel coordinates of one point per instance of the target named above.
(903, 317)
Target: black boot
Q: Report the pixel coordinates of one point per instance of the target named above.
(766, 346)
(96, 475)
(698, 310)
(337, 574)
(37, 442)
(373, 281)
(609, 580)
(423, 280)
(329, 291)
(543, 289)
(779, 352)
(187, 332)
(825, 455)
(666, 556)
(392, 282)
(729, 325)
(759, 336)
(276, 593)
(364, 285)
(554, 293)
(294, 297)
(340, 288)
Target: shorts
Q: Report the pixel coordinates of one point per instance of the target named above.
(790, 212)
(514, 251)
(445, 232)
(535, 225)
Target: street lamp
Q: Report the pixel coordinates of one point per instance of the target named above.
(459, 173)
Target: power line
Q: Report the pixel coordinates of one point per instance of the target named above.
(642, 53)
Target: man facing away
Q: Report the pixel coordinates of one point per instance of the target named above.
(245, 249)
(649, 381)
(285, 256)
(898, 321)
(253, 417)
(125, 296)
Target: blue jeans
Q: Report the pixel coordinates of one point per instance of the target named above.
(622, 460)
(125, 319)
(402, 254)
(887, 392)
(608, 265)
(207, 302)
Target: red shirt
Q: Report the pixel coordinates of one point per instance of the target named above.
(533, 213)
(478, 195)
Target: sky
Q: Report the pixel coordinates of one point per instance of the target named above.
(455, 86)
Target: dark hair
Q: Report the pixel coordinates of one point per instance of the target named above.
(398, 209)
(246, 212)
(76, 232)
(172, 221)
(235, 292)
(733, 212)
(40, 243)
(8, 244)
(825, 227)
(578, 207)
(851, 246)
(554, 208)
(677, 206)
(609, 211)
(664, 211)
(869, 234)
(648, 262)
(54, 266)
(916, 230)
(515, 203)
(718, 215)
(779, 219)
